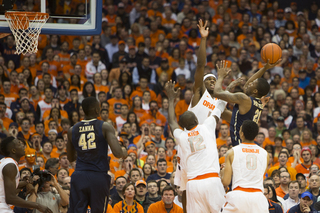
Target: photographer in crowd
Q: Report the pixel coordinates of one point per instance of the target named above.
(44, 195)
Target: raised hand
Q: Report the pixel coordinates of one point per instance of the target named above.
(270, 66)
(265, 100)
(203, 29)
(171, 92)
(235, 83)
(222, 69)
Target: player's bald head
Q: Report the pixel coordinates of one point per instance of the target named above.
(188, 120)
(90, 105)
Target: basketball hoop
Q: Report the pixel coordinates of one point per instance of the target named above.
(26, 27)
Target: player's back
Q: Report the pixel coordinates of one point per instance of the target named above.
(248, 166)
(91, 146)
(237, 119)
(199, 146)
(204, 107)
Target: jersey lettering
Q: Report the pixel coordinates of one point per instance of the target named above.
(208, 104)
(196, 143)
(87, 141)
(251, 160)
(250, 150)
(256, 116)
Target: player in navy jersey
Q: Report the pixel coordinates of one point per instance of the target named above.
(88, 142)
(248, 105)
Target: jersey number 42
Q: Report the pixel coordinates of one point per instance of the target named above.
(87, 141)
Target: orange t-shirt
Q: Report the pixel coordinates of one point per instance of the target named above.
(220, 142)
(115, 105)
(159, 119)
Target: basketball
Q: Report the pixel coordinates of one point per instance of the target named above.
(272, 52)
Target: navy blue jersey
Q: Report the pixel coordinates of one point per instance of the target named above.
(91, 146)
(237, 119)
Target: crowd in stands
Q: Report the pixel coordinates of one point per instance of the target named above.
(143, 44)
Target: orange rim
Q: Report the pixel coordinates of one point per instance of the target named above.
(31, 15)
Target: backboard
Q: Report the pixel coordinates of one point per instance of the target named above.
(67, 17)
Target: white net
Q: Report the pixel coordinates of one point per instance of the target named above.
(26, 27)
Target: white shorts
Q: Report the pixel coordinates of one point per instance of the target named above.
(246, 202)
(180, 178)
(205, 196)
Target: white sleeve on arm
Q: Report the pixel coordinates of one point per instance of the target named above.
(221, 105)
(216, 112)
(176, 134)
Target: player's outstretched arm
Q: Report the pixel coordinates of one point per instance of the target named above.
(260, 73)
(9, 173)
(237, 98)
(227, 170)
(71, 151)
(172, 95)
(110, 135)
(201, 63)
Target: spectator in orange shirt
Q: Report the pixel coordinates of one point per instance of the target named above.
(164, 67)
(10, 95)
(116, 102)
(69, 68)
(6, 121)
(166, 203)
(143, 86)
(234, 12)
(155, 32)
(224, 131)
(154, 115)
(225, 45)
(295, 84)
(128, 204)
(60, 146)
(183, 105)
(307, 162)
(270, 139)
(283, 189)
(26, 65)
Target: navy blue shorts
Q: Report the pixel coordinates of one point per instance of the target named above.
(89, 188)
